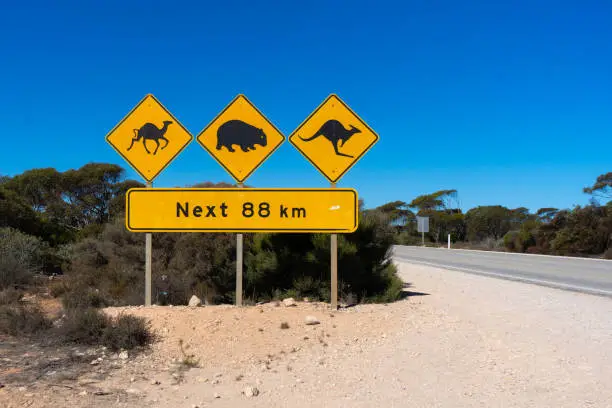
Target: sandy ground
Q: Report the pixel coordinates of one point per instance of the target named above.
(459, 340)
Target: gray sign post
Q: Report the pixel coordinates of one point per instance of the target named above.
(422, 227)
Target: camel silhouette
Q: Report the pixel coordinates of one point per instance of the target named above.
(149, 131)
(336, 133)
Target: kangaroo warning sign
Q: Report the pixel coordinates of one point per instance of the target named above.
(241, 210)
(149, 138)
(333, 138)
(240, 138)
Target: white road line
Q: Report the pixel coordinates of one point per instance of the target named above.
(540, 282)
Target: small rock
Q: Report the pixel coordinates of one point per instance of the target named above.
(311, 320)
(132, 379)
(251, 391)
(284, 325)
(289, 302)
(217, 395)
(194, 301)
(155, 382)
(306, 300)
(95, 362)
(201, 379)
(239, 377)
(215, 381)
(298, 380)
(218, 375)
(21, 389)
(132, 391)
(124, 355)
(83, 393)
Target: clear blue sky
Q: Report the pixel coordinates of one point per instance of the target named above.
(508, 102)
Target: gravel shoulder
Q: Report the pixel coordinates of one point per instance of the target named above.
(456, 340)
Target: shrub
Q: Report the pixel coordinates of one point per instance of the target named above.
(127, 332)
(85, 326)
(91, 326)
(20, 257)
(10, 296)
(80, 297)
(58, 288)
(18, 319)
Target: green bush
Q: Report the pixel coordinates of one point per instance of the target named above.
(10, 296)
(21, 256)
(85, 326)
(83, 297)
(91, 326)
(127, 332)
(23, 319)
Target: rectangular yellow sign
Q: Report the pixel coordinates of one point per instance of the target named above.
(241, 210)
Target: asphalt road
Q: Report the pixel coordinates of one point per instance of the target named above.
(577, 274)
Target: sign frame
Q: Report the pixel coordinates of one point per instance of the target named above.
(125, 117)
(243, 191)
(356, 159)
(265, 158)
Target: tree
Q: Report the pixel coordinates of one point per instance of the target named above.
(546, 214)
(443, 219)
(492, 221)
(90, 191)
(397, 213)
(602, 188)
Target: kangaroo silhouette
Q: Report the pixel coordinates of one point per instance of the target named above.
(149, 131)
(336, 133)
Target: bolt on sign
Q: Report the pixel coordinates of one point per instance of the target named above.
(149, 137)
(240, 138)
(241, 210)
(333, 138)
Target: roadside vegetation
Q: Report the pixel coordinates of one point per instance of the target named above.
(71, 224)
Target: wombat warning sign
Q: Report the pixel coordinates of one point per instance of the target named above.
(240, 138)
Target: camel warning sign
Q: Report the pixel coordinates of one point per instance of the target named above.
(240, 138)
(149, 137)
(333, 138)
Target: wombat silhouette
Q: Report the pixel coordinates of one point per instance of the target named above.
(149, 131)
(237, 132)
(336, 133)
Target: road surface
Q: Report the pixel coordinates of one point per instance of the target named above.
(592, 276)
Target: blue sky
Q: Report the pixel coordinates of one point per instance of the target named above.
(508, 102)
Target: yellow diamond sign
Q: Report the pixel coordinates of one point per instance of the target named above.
(333, 138)
(240, 138)
(149, 137)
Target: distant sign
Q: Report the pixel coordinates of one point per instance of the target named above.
(333, 138)
(240, 138)
(149, 137)
(422, 224)
(241, 210)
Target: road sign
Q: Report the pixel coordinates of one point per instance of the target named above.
(422, 224)
(240, 138)
(241, 210)
(333, 138)
(149, 137)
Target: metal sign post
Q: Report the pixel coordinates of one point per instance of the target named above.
(334, 267)
(240, 139)
(148, 261)
(149, 137)
(239, 242)
(330, 127)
